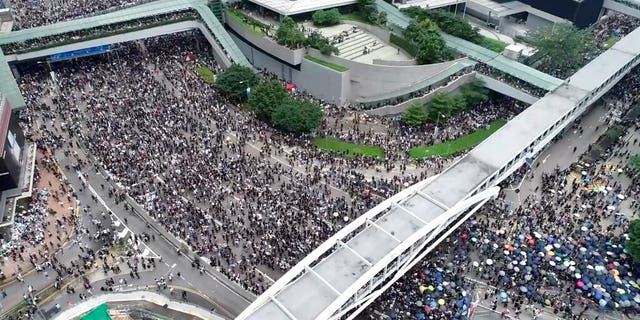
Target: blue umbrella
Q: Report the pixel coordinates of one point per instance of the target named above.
(421, 316)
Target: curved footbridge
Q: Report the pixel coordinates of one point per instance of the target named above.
(347, 272)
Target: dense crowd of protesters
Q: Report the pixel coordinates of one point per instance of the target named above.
(186, 154)
(562, 249)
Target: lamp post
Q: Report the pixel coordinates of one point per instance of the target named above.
(248, 88)
(464, 10)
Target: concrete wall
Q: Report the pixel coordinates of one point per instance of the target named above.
(292, 57)
(534, 22)
(405, 63)
(218, 52)
(506, 89)
(368, 80)
(399, 108)
(308, 76)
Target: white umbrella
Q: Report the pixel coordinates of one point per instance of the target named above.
(489, 262)
(611, 208)
(584, 173)
(476, 264)
(609, 188)
(621, 197)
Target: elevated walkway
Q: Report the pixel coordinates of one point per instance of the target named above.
(351, 269)
(399, 21)
(232, 52)
(628, 7)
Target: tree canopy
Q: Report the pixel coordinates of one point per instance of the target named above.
(415, 115)
(447, 22)
(265, 97)
(288, 34)
(320, 42)
(442, 106)
(235, 80)
(474, 93)
(323, 18)
(368, 11)
(431, 47)
(296, 116)
(564, 47)
(633, 244)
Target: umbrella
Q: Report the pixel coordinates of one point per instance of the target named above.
(611, 208)
(419, 303)
(621, 197)
(476, 264)
(503, 295)
(441, 302)
(523, 289)
(489, 262)
(584, 173)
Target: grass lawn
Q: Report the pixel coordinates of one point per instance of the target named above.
(448, 148)
(206, 74)
(331, 144)
(327, 64)
(238, 17)
(493, 44)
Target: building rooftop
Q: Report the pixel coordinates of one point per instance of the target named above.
(289, 7)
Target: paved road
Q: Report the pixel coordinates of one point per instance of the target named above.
(227, 301)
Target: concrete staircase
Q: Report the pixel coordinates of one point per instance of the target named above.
(353, 46)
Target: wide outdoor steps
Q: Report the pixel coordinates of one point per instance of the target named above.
(353, 46)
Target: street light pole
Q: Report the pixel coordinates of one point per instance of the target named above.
(464, 10)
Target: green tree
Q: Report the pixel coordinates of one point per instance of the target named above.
(368, 10)
(633, 244)
(474, 93)
(320, 42)
(431, 47)
(442, 106)
(235, 80)
(447, 22)
(415, 115)
(564, 46)
(297, 116)
(265, 97)
(289, 34)
(324, 18)
(382, 18)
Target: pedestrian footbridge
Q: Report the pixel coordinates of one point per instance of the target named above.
(228, 50)
(347, 272)
(494, 59)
